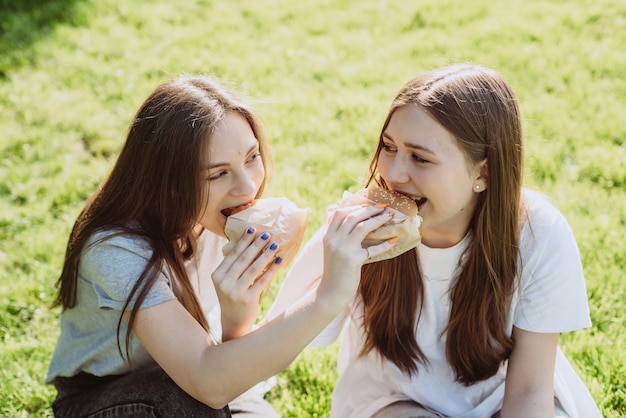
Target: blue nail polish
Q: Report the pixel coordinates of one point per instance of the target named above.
(265, 236)
(273, 246)
(250, 230)
(278, 260)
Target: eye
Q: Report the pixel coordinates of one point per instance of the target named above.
(419, 159)
(254, 157)
(217, 175)
(388, 147)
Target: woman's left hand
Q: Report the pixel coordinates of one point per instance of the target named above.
(240, 280)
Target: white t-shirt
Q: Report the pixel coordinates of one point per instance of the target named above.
(551, 298)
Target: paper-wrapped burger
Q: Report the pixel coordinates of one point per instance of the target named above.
(405, 223)
(277, 215)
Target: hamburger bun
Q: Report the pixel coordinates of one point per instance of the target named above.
(396, 201)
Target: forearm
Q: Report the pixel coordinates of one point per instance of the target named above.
(538, 404)
(216, 374)
(262, 353)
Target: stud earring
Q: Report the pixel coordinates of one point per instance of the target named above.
(477, 186)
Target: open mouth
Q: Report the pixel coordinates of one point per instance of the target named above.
(420, 201)
(229, 211)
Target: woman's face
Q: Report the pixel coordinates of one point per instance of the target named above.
(420, 158)
(233, 171)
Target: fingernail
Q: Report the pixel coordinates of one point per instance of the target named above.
(265, 236)
(250, 230)
(273, 246)
(392, 240)
(381, 205)
(391, 213)
(278, 260)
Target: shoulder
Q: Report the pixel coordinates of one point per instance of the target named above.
(113, 254)
(543, 223)
(116, 246)
(112, 263)
(552, 294)
(539, 208)
(118, 238)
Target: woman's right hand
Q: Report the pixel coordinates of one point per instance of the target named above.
(343, 252)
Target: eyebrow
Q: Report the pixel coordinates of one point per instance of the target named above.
(410, 145)
(252, 148)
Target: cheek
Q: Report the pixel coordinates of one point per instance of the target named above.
(259, 176)
(384, 162)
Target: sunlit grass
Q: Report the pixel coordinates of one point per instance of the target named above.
(322, 74)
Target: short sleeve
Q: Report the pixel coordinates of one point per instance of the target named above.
(552, 295)
(112, 267)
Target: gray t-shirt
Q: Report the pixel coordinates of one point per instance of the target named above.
(107, 272)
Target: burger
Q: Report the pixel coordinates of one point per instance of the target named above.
(405, 223)
(285, 222)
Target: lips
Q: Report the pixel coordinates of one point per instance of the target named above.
(234, 209)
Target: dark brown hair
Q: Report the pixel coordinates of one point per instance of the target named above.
(155, 190)
(479, 108)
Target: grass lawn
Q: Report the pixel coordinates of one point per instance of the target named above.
(322, 75)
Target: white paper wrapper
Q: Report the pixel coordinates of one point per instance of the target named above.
(276, 215)
(406, 228)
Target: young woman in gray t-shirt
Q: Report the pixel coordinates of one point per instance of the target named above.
(134, 340)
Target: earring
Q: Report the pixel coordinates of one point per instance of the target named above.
(477, 186)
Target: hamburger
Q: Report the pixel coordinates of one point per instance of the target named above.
(277, 215)
(405, 224)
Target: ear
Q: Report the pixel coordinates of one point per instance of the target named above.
(482, 180)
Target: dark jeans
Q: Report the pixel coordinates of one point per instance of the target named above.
(146, 393)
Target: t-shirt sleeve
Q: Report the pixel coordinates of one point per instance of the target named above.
(552, 294)
(113, 266)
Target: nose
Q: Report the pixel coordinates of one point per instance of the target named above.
(396, 172)
(245, 185)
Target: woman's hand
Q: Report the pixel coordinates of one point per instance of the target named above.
(343, 252)
(181, 347)
(240, 280)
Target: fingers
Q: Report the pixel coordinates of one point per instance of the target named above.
(252, 256)
(261, 283)
(359, 220)
(243, 243)
(348, 228)
(376, 250)
(260, 259)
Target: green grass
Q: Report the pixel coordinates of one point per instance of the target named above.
(322, 74)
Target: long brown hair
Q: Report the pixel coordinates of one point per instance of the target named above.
(479, 108)
(155, 190)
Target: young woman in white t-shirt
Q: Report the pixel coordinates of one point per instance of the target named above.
(467, 324)
(135, 338)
